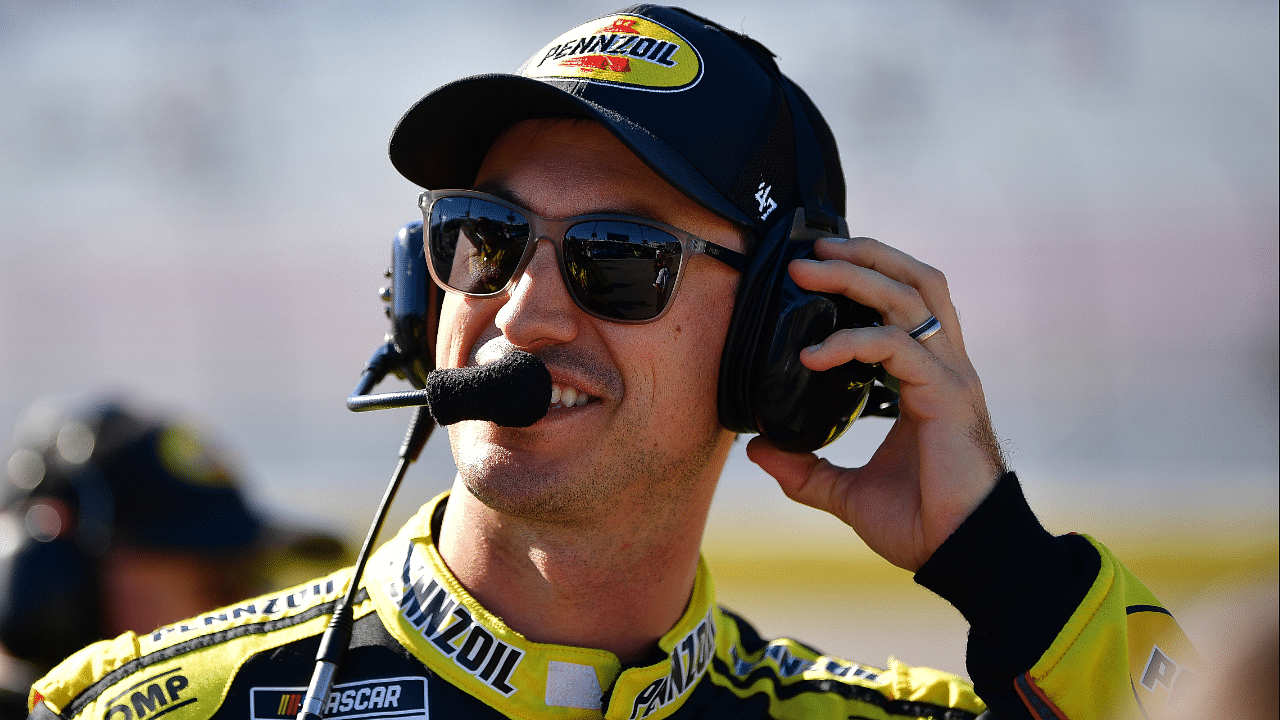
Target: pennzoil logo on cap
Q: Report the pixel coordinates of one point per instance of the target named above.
(622, 50)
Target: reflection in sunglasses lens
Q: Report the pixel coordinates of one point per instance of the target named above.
(621, 270)
(476, 244)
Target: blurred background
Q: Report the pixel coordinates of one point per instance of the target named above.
(196, 207)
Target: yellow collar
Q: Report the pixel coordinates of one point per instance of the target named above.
(429, 612)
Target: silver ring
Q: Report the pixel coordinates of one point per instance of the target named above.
(926, 329)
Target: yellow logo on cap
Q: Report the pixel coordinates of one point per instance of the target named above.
(189, 458)
(623, 50)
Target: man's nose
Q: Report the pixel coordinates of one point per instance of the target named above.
(539, 311)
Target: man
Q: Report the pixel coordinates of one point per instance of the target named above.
(561, 576)
(119, 519)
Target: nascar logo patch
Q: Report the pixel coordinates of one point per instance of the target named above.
(622, 50)
(404, 698)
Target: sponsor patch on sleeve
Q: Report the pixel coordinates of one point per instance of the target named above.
(1163, 666)
(157, 695)
(622, 50)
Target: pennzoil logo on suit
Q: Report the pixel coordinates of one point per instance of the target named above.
(444, 620)
(689, 662)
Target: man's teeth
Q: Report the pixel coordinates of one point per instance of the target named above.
(567, 396)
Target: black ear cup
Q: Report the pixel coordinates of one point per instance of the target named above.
(415, 306)
(752, 318)
(763, 386)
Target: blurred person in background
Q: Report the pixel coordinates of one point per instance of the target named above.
(115, 520)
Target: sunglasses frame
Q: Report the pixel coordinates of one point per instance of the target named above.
(554, 231)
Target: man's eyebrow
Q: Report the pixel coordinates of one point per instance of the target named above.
(499, 190)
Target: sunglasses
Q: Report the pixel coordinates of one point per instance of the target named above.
(619, 268)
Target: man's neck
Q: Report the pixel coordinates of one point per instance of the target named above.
(617, 584)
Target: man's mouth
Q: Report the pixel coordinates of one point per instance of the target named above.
(566, 396)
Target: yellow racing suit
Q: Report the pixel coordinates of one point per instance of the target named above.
(423, 648)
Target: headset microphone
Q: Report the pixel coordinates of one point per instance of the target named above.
(514, 391)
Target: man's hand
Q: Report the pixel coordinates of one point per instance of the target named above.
(941, 457)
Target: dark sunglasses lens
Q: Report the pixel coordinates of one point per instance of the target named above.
(621, 270)
(475, 245)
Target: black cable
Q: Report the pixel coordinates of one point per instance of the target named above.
(338, 635)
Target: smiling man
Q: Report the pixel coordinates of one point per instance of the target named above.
(623, 208)
(590, 520)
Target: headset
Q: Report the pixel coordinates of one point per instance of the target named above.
(413, 303)
(763, 386)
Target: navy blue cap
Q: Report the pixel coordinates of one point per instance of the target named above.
(703, 106)
(128, 477)
(173, 489)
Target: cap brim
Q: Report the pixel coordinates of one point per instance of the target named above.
(441, 141)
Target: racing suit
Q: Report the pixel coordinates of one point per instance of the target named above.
(1059, 630)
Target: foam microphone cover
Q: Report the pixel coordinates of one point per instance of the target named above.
(514, 391)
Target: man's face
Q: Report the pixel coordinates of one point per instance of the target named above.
(648, 432)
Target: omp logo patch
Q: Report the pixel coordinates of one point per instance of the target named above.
(623, 50)
(398, 697)
(155, 696)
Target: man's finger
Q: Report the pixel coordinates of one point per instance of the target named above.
(804, 477)
(897, 265)
(897, 303)
(904, 358)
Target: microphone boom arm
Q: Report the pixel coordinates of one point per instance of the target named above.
(380, 363)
